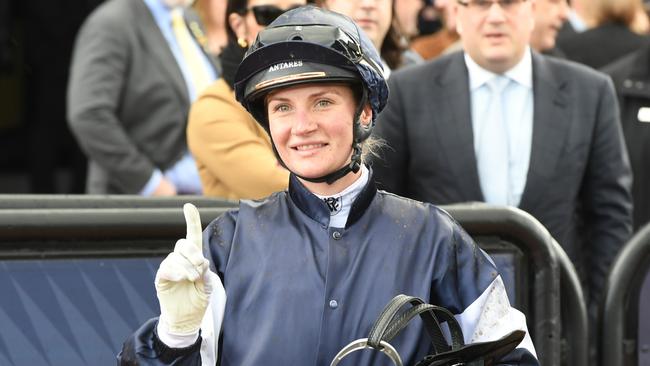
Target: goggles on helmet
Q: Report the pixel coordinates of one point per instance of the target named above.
(323, 35)
(315, 38)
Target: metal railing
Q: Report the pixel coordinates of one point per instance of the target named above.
(44, 227)
(620, 311)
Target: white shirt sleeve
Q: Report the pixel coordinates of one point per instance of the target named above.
(491, 317)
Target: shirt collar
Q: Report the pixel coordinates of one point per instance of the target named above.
(317, 209)
(157, 6)
(161, 14)
(354, 188)
(522, 72)
(576, 21)
(160, 10)
(340, 203)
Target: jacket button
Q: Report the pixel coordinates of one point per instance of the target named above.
(336, 235)
(334, 304)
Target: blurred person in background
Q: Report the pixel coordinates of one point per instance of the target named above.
(501, 123)
(445, 40)
(213, 17)
(233, 153)
(136, 68)
(429, 20)
(631, 76)
(616, 28)
(576, 18)
(550, 15)
(406, 12)
(378, 19)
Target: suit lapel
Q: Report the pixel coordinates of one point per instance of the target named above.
(156, 45)
(455, 132)
(551, 121)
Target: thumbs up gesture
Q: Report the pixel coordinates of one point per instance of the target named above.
(183, 280)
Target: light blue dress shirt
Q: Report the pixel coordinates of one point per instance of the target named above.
(518, 114)
(184, 173)
(577, 23)
(163, 17)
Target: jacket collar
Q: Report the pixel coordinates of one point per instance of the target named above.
(552, 121)
(317, 210)
(155, 45)
(521, 73)
(551, 117)
(455, 127)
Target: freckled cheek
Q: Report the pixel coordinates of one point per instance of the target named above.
(344, 134)
(279, 133)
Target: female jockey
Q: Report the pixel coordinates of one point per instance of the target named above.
(308, 270)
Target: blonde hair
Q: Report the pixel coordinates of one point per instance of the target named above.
(628, 12)
(370, 148)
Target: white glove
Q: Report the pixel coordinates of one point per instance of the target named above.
(183, 282)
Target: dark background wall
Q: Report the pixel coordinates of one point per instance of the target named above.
(37, 151)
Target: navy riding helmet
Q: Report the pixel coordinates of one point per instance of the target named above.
(312, 45)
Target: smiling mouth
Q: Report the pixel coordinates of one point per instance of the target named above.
(308, 147)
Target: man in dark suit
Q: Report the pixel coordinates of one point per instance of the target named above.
(129, 94)
(550, 144)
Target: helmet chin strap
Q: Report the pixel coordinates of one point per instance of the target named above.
(355, 162)
(353, 166)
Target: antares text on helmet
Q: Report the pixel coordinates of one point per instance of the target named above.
(285, 65)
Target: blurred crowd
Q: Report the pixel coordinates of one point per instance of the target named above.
(48, 100)
(136, 97)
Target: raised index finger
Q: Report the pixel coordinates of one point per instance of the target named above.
(193, 221)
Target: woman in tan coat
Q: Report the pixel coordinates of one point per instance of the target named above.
(233, 153)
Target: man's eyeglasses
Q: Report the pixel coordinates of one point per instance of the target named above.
(266, 14)
(485, 5)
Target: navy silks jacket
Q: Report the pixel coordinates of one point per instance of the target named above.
(298, 290)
